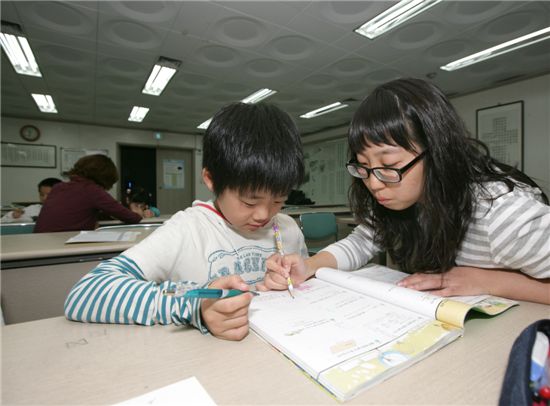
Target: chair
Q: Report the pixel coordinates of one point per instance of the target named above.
(16, 228)
(318, 227)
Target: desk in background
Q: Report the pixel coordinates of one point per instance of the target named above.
(295, 211)
(38, 270)
(151, 220)
(63, 363)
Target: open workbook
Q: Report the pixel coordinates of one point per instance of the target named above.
(351, 330)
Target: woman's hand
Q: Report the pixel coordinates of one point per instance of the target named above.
(466, 281)
(458, 281)
(227, 318)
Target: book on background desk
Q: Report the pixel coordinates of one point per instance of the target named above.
(351, 330)
(103, 236)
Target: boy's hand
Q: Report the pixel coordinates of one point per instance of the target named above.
(147, 214)
(279, 268)
(227, 318)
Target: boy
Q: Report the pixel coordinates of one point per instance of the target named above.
(252, 158)
(30, 213)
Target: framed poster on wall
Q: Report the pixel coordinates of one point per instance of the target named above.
(28, 155)
(501, 129)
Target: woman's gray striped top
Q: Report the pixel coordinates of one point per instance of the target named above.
(512, 231)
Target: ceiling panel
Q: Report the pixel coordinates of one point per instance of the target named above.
(95, 55)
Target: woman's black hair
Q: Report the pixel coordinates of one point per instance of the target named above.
(250, 147)
(98, 168)
(417, 116)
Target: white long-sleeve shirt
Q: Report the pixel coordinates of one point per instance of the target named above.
(195, 246)
(511, 232)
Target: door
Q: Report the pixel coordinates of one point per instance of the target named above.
(175, 185)
(138, 169)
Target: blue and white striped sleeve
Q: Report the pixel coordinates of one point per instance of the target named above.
(116, 291)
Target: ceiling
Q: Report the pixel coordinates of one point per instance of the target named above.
(95, 56)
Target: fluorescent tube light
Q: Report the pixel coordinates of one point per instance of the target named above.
(394, 16)
(44, 102)
(138, 114)
(253, 98)
(258, 96)
(161, 74)
(19, 53)
(205, 125)
(324, 110)
(500, 49)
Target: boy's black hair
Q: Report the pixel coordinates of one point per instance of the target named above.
(49, 182)
(249, 147)
(138, 195)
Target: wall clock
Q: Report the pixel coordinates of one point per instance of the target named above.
(29, 133)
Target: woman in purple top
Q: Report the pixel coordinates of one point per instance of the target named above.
(76, 205)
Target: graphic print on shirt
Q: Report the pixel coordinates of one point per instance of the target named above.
(248, 262)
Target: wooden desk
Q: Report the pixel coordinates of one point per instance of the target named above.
(38, 270)
(55, 361)
(295, 211)
(151, 220)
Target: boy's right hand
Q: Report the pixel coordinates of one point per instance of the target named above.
(279, 268)
(227, 318)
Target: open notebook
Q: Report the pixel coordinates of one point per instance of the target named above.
(350, 330)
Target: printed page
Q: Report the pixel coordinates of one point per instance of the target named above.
(326, 324)
(103, 236)
(189, 392)
(487, 304)
(419, 302)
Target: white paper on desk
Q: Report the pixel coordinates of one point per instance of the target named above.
(186, 392)
(103, 236)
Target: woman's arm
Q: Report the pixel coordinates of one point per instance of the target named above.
(465, 281)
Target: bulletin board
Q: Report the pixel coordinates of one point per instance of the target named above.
(501, 129)
(327, 180)
(28, 155)
(69, 156)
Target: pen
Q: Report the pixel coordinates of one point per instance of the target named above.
(279, 245)
(206, 293)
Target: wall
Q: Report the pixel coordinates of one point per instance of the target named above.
(19, 184)
(535, 94)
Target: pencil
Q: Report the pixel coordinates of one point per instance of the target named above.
(279, 245)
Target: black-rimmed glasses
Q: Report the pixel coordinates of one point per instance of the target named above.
(386, 175)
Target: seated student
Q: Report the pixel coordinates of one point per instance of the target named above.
(139, 200)
(431, 197)
(30, 213)
(75, 205)
(252, 158)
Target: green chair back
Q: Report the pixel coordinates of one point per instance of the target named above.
(318, 227)
(16, 228)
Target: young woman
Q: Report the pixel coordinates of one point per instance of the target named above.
(459, 221)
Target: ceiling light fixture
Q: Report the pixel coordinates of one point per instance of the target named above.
(161, 74)
(500, 49)
(253, 98)
(394, 16)
(138, 114)
(44, 102)
(324, 110)
(18, 50)
(258, 96)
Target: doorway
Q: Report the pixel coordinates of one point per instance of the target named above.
(166, 173)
